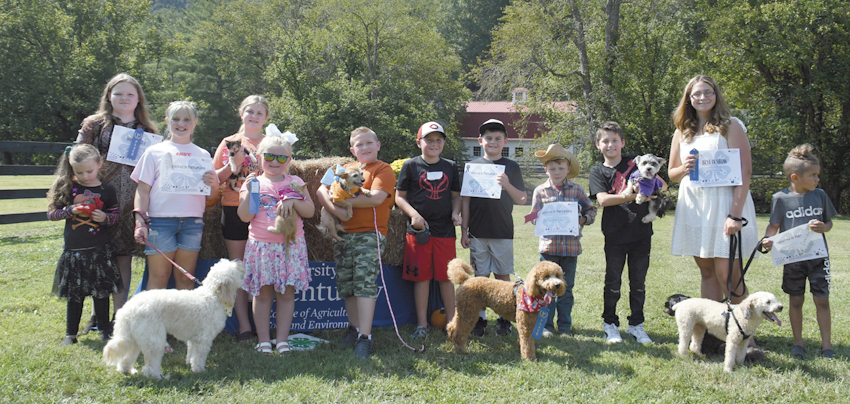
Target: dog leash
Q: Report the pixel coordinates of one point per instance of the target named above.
(185, 272)
(386, 290)
(735, 242)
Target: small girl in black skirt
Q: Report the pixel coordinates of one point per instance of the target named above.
(87, 266)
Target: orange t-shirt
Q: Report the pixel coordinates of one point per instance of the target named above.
(230, 197)
(378, 176)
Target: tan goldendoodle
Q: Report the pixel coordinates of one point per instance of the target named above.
(695, 316)
(513, 301)
(195, 316)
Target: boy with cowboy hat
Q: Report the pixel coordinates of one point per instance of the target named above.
(560, 166)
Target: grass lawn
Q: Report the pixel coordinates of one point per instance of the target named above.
(582, 368)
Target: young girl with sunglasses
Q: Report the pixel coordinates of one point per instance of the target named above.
(274, 269)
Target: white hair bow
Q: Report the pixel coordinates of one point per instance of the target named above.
(272, 130)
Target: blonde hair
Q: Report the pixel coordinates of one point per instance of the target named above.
(60, 191)
(251, 100)
(176, 107)
(361, 131)
(105, 110)
(685, 116)
(274, 141)
(799, 160)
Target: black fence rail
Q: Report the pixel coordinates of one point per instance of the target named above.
(10, 169)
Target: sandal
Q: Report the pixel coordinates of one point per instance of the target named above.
(264, 348)
(246, 336)
(283, 347)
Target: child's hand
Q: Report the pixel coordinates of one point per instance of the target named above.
(140, 234)
(767, 244)
(98, 215)
(503, 179)
(210, 179)
(464, 240)
(286, 208)
(75, 209)
(456, 219)
(689, 163)
(817, 226)
(418, 222)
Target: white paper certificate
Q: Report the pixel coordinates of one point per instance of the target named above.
(719, 168)
(127, 145)
(797, 244)
(557, 219)
(184, 174)
(479, 180)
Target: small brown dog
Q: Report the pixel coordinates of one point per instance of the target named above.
(543, 283)
(288, 226)
(350, 183)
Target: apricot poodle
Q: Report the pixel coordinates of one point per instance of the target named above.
(518, 302)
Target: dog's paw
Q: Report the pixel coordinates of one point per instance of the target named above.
(649, 218)
(640, 198)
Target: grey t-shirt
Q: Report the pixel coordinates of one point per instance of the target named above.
(790, 209)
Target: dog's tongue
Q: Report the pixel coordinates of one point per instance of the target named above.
(548, 298)
(774, 318)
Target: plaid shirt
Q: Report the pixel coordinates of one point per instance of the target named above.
(563, 246)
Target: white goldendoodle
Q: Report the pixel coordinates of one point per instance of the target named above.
(195, 316)
(695, 316)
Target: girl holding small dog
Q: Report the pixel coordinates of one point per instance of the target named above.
(122, 103)
(707, 217)
(88, 265)
(274, 269)
(171, 222)
(233, 165)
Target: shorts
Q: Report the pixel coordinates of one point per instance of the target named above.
(232, 227)
(172, 233)
(492, 255)
(423, 262)
(357, 264)
(794, 277)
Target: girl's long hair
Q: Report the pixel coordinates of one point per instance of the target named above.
(104, 112)
(685, 116)
(251, 100)
(275, 141)
(176, 107)
(60, 192)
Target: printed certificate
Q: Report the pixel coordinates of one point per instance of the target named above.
(479, 180)
(127, 145)
(184, 174)
(797, 244)
(557, 219)
(719, 168)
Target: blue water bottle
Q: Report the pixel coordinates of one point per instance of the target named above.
(695, 172)
(254, 191)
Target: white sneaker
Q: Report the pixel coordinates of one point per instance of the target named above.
(639, 334)
(612, 334)
(548, 334)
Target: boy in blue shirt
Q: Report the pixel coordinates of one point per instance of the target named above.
(804, 203)
(487, 226)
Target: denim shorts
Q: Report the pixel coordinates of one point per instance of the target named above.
(172, 233)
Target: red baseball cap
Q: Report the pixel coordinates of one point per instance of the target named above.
(428, 128)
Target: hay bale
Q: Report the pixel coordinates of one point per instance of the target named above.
(212, 241)
(311, 171)
(396, 229)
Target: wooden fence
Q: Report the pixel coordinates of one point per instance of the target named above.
(6, 170)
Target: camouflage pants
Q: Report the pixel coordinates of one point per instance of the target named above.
(357, 265)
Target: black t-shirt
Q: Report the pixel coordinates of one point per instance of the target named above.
(429, 190)
(81, 231)
(492, 218)
(615, 220)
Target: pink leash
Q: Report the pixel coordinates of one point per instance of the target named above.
(386, 290)
(185, 272)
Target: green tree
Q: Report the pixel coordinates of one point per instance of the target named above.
(57, 58)
(788, 65)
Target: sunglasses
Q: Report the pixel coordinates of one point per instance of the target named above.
(280, 158)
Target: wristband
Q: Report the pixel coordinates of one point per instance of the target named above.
(144, 216)
(737, 219)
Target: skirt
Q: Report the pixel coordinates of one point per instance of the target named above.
(87, 272)
(275, 264)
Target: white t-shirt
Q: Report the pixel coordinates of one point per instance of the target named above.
(149, 169)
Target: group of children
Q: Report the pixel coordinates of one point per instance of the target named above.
(427, 190)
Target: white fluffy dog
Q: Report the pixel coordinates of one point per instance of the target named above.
(195, 316)
(695, 316)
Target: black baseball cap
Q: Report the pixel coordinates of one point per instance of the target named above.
(492, 124)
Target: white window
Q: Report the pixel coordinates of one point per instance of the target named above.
(476, 151)
(506, 151)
